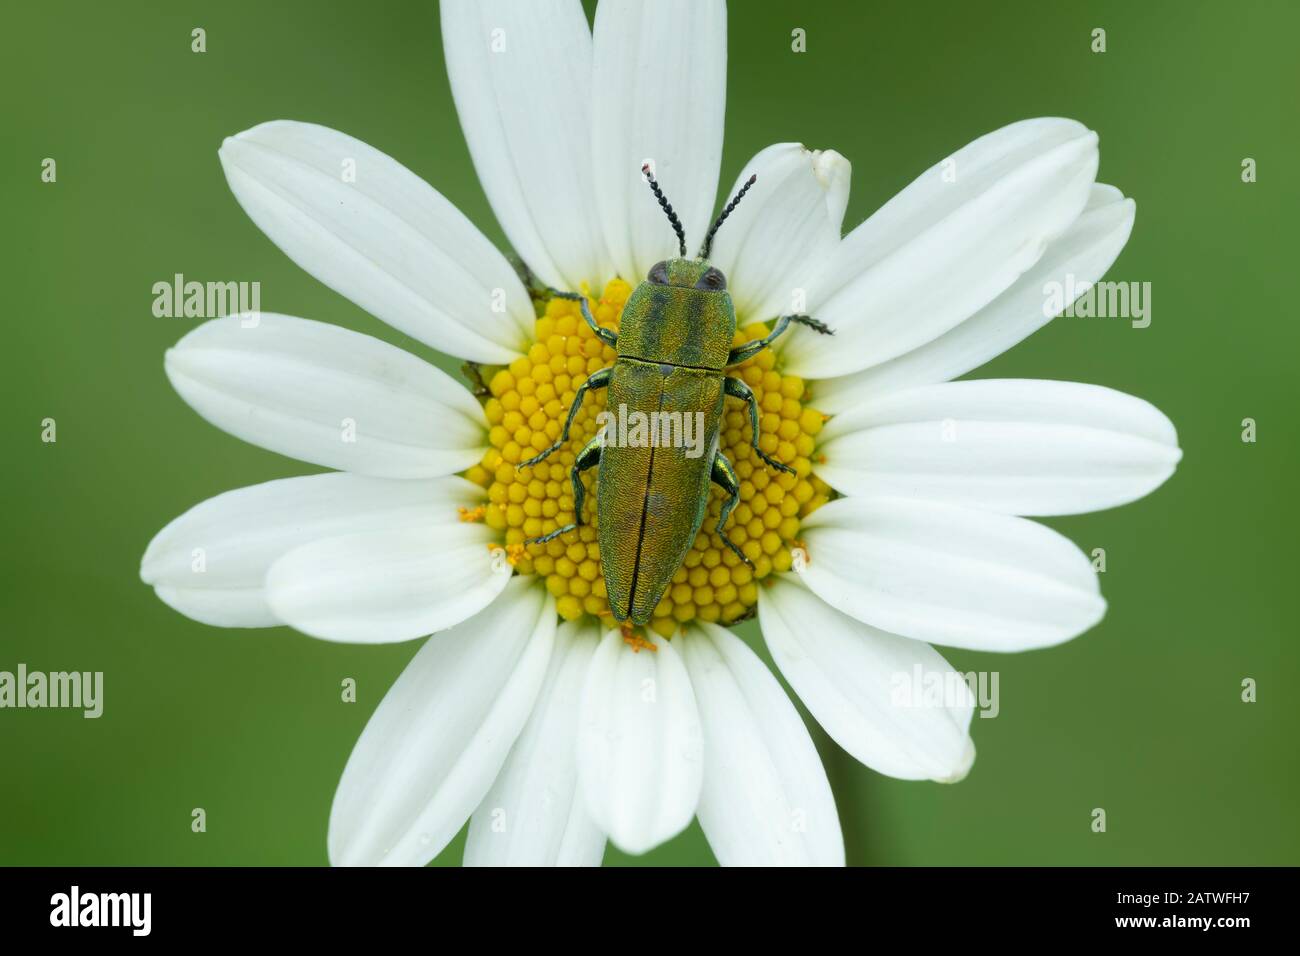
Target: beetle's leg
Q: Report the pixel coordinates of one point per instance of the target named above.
(747, 351)
(605, 335)
(750, 612)
(742, 353)
(737, 388)
(724, 476)
(589, 456)
(595, 380)
(474, 372)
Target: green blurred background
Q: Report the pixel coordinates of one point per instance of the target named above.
(1141, 716)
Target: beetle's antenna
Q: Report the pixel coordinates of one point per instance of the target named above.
(726, 211)
(666, 206)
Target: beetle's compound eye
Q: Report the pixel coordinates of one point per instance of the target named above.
(713, 281)
(658, 273)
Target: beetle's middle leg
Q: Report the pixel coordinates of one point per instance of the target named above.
(587, 458)
(724, 476)
(595, 380)
(737, 388)
(747, 351)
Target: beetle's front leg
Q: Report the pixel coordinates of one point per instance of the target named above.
(724, 476)
(587, 458)
(605, 335)
(737, 388)
(595, 380)
(747, 351)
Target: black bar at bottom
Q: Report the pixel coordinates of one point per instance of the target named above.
(217, 905)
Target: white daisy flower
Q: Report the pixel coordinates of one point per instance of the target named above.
(529, 712)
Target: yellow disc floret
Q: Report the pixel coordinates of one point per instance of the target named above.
(526, 406)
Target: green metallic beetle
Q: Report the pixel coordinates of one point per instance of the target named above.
(674, 348)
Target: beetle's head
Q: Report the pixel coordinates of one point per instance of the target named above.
(687, 274)
(691, 273)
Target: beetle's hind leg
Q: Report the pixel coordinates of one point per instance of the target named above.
(724, 476)
(588, 457)
(595, 380)
(737, 388)
(743, 353)
(605, 335)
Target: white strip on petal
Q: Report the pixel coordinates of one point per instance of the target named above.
(441, 734)
(1078, 258)
(534, 814)
(765, 799)
(326, 395)
(639, 743)
(659, 92)
(373, 231)
(376, 587)
(211, 562)
(949, 575)
(946, 245)
(861, 685)
(520, 74)
(1018, 446)
(781, 234)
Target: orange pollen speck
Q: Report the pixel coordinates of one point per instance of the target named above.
(638, 643)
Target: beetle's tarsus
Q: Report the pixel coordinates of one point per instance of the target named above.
(817, 325)
(743, 353)
(734, 549)
(608, 336)
(527, 277)
(750, 613)
(542, 457)
(474, 372)
(773, 463)
(572, 526)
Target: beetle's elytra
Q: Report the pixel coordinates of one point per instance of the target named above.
(673, 348)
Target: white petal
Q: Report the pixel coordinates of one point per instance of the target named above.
(373, 231)
(1013, 445)
(534, 814)
(659, 94)
(639, 743)
(1081, 255)
(949, 575)
(944, 247)
(211, 562)
(765, 800)
(441, 734)
(783, 231)
(520, 73)
(326, 395)
(861, 684)
(377, 587)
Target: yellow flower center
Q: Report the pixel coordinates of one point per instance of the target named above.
(526, 408)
